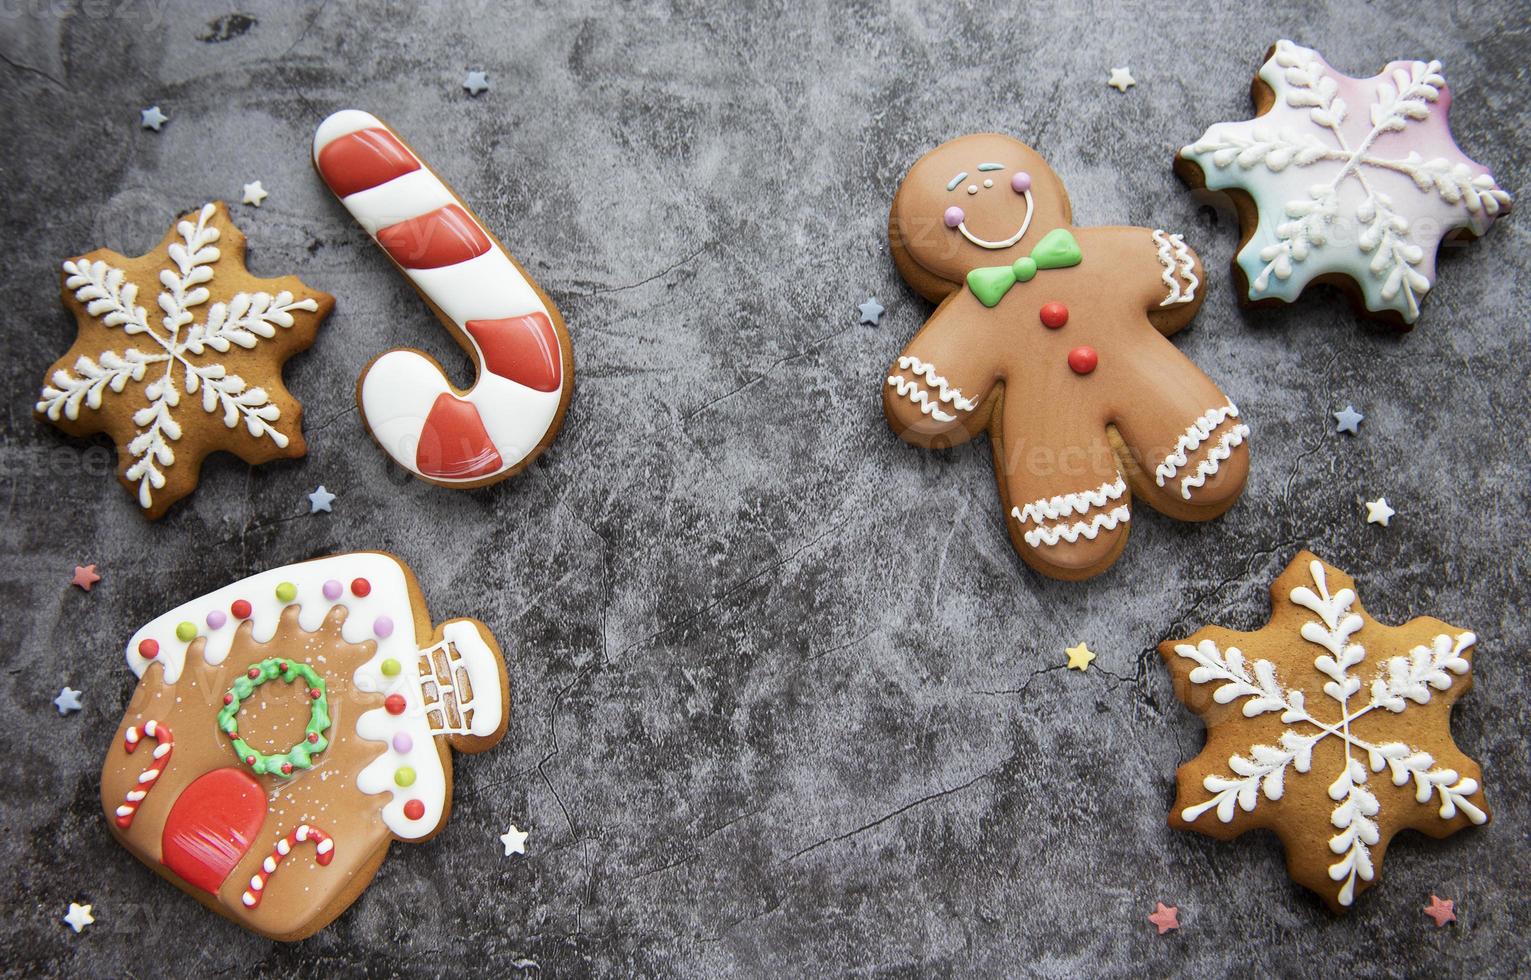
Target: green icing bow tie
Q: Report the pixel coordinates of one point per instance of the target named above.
(1056, 250)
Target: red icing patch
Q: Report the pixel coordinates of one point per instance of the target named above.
(521, 348)
(453, 443)
(364, 159)
(1083, 359)
(445, 236)
(1054, 315)
(240, 609)
(414, 809)
(211, 826)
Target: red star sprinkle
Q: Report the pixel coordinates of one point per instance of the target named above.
(1442, 910)
(85, 576)
(1166, 917)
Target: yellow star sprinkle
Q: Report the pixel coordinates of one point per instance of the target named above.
(1079, 657)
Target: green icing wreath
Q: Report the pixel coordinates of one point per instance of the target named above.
(300, 756)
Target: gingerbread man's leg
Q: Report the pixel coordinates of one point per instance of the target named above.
(1185, 444)
(1066, 500)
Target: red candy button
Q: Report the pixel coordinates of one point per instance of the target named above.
(240, 609)
(1054, 315)
(148, 649)
(361, 586)
(1083, 359)
(414, 809)
(394, 703)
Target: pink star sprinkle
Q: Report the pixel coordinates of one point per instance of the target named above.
(1166, 917)
(85, 576)
(1442, 910)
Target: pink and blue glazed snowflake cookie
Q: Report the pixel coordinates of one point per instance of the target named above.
(1354, 182)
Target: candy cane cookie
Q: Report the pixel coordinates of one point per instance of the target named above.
(324, 853)
(508, 326)
(164, 745)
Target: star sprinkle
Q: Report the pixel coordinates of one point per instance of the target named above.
(151, 118)
(1079, 657)
(1121, 79)
(68, 700)
(85, 576)
(1347, 419)
(514, 841)
(255, 193)
(79, 916)
(320, 500)
(1166, 917)
(1378, 512)
(476, 82)
(1442, 910)
(871, 311)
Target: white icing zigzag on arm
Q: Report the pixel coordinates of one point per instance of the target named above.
(914, 389)
(1038, 536)
(1231, 439)
(927, 371)
(1064, 505)
(1190, 440)
(1177, 266)
(915, 392)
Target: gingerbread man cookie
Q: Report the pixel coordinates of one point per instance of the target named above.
(287, 728)
(506, 324)
(217, 335)
(1350, 181)
(1053, 340)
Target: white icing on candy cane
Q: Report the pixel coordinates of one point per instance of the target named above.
(385, 615)
(164, 745)
(324, 853)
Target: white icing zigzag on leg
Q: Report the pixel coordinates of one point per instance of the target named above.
(1190, 440)
(1063, 505)
(1207, 467)
(1051, 535)
(1187, 265)
(915, 391)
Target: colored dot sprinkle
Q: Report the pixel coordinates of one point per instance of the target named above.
(1054, 315)
(333, 590)
(216, 619)
(185, 632)
(383, 627)
(402, 742)
(240, 609)
(405, 776)
(394, 703)
(286, 591)
(414, 809)
(361, 587)
(148, 649)
(390, 667)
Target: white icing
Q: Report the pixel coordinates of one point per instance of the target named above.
(915, 389)
(1405, 680)
(1052, 534)
(1065, 505)
(486, 287)
(1368, 196)
(1209, 464)
(389, 596)
(245, 320)
(1179, 265)
(1198, 432)
(1004, 243)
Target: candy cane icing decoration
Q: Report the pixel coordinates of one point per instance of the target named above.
(164, 745)
(324, 853)
(513, 333)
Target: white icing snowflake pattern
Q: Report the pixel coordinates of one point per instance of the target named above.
(244, 321)
(1403, 681)
(1368, 195)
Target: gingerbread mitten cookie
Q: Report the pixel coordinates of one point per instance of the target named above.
(287, 728)
(1354, 181)
(505, 323)
(211, 332)
(1053, 340)
(1328, 728)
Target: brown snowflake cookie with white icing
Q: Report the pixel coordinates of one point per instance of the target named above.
(1052, 339)
(179, 354)
(287, 728)
(1328, 728)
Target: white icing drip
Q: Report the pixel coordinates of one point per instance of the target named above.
(1190, 440)
(1052, 534)
(1178, 264)
(1231, 439)
(1064, 505)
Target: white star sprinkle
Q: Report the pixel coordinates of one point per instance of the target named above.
(320, 500)
(68, 700)
(871, 311)
(514, 841)
(1121, 79)
(152, 118)
(1378, 511)
(255, 193)
(476, 82)
(1347, 419)
(79, 916)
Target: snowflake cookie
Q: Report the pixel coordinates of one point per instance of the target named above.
(1328, 728)
(1345, 180)
(216, 334)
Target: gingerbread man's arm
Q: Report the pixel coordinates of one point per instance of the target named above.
(939, 390)
(1155, 267)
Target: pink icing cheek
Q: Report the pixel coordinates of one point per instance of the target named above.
(1021, 182)
(954, 217)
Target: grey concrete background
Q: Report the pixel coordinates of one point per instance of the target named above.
(784, 701)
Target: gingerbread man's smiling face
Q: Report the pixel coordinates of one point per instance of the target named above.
(974, 201)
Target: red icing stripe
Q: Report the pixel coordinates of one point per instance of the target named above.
(363, 159)
(521, 348)
(453, 443)
(445, 236)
